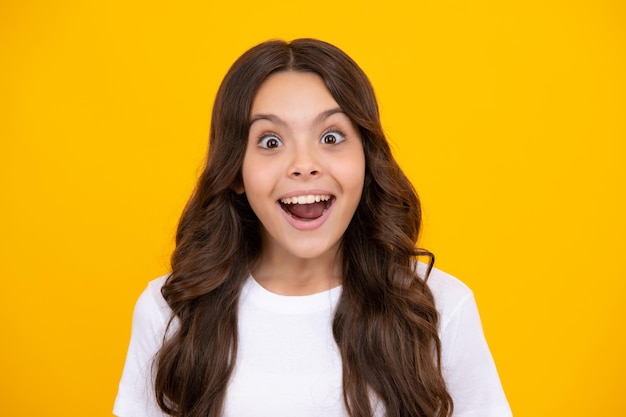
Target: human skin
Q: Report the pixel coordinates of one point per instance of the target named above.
(303, 175)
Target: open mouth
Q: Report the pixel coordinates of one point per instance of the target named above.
(307, 207)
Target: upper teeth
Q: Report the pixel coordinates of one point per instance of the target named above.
(305, 199)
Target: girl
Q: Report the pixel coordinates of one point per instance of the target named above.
(295, 289)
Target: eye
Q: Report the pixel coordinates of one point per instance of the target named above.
(269, 141)
(332, 137)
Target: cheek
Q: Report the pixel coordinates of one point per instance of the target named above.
(353, 170)
(250, 164)
(258, 176)
(249, 172)
(249, 180)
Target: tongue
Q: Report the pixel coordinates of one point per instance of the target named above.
(307, 211)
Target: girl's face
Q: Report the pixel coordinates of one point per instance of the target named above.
(304, 166)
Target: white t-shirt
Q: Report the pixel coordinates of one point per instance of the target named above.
(288, 363)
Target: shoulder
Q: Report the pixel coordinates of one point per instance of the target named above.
(450, 293)
(459, 319)
(151, 309)
(153, 292)
(151, 318)
(465, 355)
(447, 288)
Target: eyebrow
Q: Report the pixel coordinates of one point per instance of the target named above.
(277, 120)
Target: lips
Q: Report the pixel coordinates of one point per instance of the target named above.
(306, 211)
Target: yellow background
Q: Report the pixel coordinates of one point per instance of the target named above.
(509, 117)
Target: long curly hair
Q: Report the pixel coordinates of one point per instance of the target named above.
(385, 324)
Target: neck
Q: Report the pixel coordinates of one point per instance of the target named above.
(284, 274)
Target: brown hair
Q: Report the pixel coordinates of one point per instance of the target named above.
(385, 324)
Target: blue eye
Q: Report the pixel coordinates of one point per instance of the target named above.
(270, 141)
(332, 137)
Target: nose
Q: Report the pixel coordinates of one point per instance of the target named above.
(304, 164)
(299, 173)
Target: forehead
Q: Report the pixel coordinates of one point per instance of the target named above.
(291, 90)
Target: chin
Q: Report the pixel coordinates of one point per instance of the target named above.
(311, 249)
(309, 253)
